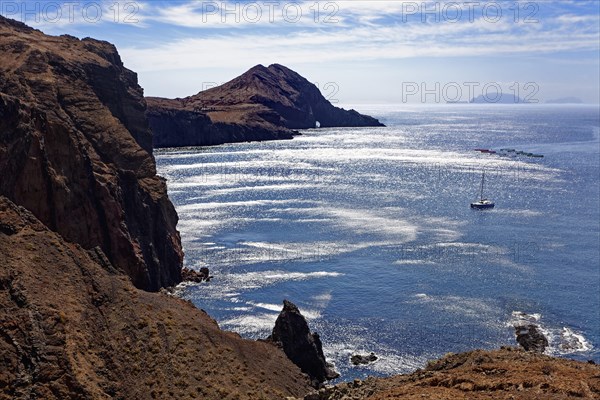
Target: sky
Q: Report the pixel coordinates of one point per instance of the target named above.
(357, 52)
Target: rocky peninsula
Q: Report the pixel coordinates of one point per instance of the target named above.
(264, 103)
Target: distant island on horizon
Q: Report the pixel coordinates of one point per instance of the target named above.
(500, 98)
(565, 100)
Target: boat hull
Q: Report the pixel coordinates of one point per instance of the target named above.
(482, 206)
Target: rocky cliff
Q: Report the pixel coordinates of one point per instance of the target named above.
(83, 217)
(262, 104)
(76, 150)
(73, 327)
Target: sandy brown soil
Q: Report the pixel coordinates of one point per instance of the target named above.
(509, 373)
(72, 327)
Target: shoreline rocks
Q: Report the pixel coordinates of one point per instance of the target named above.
(303, 348)
(505, 374)
(531, 338)
(190, 275)
(357, 359)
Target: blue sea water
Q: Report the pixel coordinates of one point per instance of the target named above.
(369, 231)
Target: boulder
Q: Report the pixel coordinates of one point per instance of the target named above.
(358, 359)
(190, 275)
(531, 338)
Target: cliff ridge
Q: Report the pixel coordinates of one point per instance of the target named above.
(76, 150)
(264, 103)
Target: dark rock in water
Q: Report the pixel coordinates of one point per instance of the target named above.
(190, 275)
(304, 348)
(265, 103)
(531, 338)
(358, 359)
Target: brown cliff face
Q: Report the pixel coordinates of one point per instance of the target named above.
(76, 150)
(72, 327)
(263, 103)
(173, 125)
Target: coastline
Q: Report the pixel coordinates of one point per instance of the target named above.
(88, 239)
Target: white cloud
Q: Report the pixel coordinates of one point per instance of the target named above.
(360, 43)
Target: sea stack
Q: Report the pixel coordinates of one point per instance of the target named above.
(291, 332)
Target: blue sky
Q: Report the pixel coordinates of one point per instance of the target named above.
(357, 51)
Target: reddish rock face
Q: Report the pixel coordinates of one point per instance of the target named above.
(75, 149)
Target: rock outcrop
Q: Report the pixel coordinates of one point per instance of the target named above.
(190, 275)
(531, 338)
(76, 150)
(265, 103)
(73, 327)
(359, 359)
(304, 348)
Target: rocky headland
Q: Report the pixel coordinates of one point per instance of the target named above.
(88, 238)
(73, 327)
(264, 103)
(87, 233)
(76, 151)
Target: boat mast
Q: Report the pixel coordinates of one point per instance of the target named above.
(482, 179)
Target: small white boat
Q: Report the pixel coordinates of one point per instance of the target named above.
(482, 203)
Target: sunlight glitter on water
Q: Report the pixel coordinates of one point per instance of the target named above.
(370, 232)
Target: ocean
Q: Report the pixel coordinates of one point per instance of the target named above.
(369, 231)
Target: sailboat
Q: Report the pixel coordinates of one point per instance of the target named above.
(482, 203)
